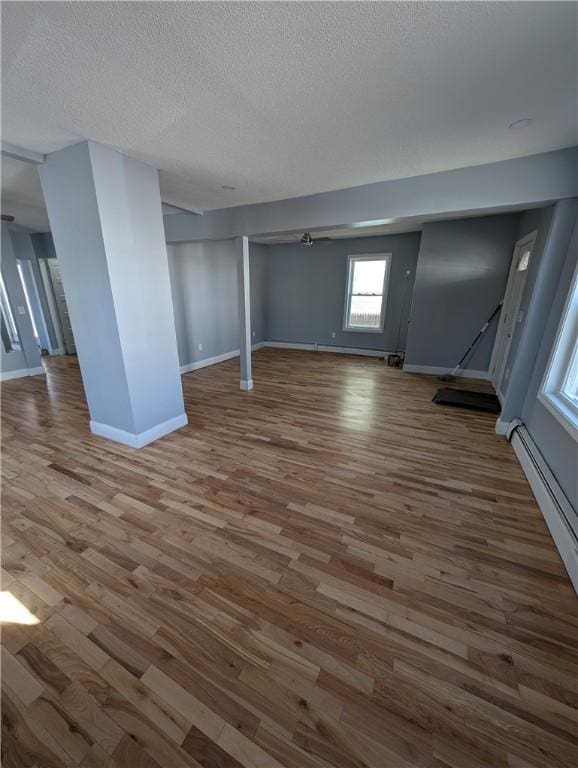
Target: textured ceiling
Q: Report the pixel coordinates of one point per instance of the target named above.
(286, 99)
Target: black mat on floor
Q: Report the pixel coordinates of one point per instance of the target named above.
(464, 398)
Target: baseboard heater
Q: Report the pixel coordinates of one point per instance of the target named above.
(558, 513)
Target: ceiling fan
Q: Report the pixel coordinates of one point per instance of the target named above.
(308, 241)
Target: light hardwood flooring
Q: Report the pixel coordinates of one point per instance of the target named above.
(329, 570)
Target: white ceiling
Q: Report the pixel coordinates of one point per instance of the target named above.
(285, 99)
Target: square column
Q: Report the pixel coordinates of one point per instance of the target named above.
(106, 220)
(244, 295)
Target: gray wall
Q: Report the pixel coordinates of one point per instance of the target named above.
(28, 356)
(461, 276)
(555, 259)
(306, 291)
(558, 447)
(204, 289)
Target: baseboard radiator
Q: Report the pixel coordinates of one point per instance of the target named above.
(558, 513)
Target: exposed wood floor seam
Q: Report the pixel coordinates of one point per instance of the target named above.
(328, 571)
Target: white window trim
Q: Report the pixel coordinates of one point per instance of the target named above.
(550, 394)
(348, 285)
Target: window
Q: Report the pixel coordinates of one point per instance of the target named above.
(559, 391)
(367, 278)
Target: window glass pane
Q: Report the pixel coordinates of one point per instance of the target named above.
(368, 276)
(365, 311)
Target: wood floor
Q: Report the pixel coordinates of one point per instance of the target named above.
(329, 570)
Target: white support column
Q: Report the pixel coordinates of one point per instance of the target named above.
(244, 294)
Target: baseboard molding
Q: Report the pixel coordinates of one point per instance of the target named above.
(141, 439)
(554, 505)
(58, 351)
(19, 374)
(217, 359)
(312, 347)
(505, 428)
(432, 370)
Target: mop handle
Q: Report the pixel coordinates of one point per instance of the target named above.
(481, 332)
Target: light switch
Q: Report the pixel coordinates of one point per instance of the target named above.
(21, 310)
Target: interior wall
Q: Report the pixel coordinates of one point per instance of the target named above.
(204, 288)
(306, 291)
(461, 277)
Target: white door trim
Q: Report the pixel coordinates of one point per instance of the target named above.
(528, 241)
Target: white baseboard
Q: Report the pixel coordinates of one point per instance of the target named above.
(312, 347)
(554, 505)
(432, 370)
(141, 439)
(246, 385)
(505, 428)
(58, 351)
(217, 359)
(7, 375)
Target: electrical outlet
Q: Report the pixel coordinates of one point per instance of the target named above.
(21, 310)
(333, 335)
(253, 334)
(200, 347)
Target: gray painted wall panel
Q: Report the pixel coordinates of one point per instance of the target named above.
(306, 291)
(556, 444)
(461, 276)
(204, 291)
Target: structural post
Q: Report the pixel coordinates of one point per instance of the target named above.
(106, 220)
(244, 294)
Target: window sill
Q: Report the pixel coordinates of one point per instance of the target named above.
(363, 330)
(561, 411)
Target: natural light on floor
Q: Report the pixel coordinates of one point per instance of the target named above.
(13, 612)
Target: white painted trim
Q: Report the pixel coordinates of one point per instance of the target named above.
(18, 153)
(57, 351)
(141, 439)
(553, 504)
(21, 373)
(217, 359)
(312, 347)
(432, 370)
(246, 385)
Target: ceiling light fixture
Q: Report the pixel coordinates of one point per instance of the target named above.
(228, 187)
(525, 122)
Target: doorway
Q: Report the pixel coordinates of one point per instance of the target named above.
(510, 315)
(51, 273)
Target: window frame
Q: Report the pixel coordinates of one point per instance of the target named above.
(352, 259)
(562, 357)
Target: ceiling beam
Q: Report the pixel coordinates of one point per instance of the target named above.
(25, 155)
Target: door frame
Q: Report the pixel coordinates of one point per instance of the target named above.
(528, 241)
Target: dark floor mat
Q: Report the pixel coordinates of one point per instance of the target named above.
(463, 398)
